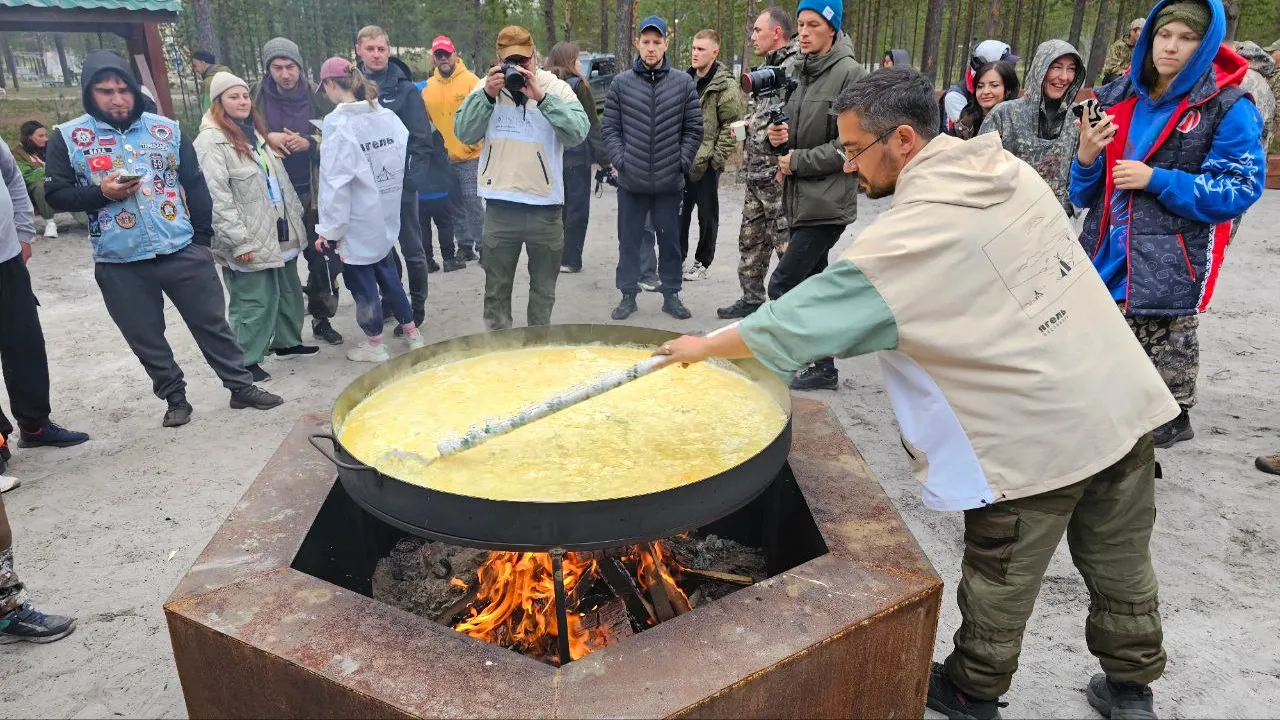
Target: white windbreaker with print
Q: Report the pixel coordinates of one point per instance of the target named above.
(362, 161)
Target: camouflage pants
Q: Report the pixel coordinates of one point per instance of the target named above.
(12, 592)
(1174, 349)
(764, 230)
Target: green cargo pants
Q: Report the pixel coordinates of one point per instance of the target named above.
(1108, 520)
(507, 226)
(265, 309)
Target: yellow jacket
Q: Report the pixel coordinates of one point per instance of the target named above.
(443, 96)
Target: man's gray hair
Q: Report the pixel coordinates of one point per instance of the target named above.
(782, 19)
(890, 97)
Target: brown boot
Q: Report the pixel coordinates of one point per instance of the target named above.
(1268, 463)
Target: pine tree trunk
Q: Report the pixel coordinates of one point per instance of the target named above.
(206, 34)
(549, 19)
(873, 49)
(993, 22)
(968, 39)
(1077, 23)
(622, 34)
(477, 41)
(932, 40)
(60, 43)
(604, 26)
(1098, 44)
(8, 60)
(953, 21)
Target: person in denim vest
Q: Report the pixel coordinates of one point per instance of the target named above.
(1175, 160)
(150, 224)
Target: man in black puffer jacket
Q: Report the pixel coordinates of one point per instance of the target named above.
(652, 129)
(397, 93)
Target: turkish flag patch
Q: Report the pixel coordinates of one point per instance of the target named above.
(100, 163)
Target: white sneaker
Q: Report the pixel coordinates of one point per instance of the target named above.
(697, 272)
(364, 352)
(417, 341)
(51, 229)
(8, 483)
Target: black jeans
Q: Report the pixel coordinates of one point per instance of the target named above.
(577, 210)
(632, 209)
(134, 294)
(705, 194)
(441, 211)
(415, 253)
(323, 268)
(805, 257)
(26, 368)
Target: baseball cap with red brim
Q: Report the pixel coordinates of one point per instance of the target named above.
(442, 44)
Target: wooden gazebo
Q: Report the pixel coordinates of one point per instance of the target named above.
(137, 21)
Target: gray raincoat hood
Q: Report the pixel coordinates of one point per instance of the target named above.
(1052, 115)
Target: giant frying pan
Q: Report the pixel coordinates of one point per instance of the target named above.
(522, 525)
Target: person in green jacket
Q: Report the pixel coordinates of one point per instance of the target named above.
(818, 198)
(718, 94)
(206, 66)
(29, 152)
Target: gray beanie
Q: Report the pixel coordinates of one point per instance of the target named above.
(277, 48)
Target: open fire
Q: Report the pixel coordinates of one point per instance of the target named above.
(514, 597)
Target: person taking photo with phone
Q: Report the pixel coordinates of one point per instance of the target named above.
(1175, 158)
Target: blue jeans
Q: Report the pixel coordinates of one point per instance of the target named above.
(368, 284)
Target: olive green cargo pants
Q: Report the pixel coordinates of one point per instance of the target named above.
(507, 227)
(1108, 520)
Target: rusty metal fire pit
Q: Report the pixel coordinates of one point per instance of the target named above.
(274, 618)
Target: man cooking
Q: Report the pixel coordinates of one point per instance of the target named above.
(1022, 397)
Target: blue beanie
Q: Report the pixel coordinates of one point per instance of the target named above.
(831, 10)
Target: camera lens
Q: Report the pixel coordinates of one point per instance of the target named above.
(512, 77)
(762, 79)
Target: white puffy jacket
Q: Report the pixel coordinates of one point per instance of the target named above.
(362, 160)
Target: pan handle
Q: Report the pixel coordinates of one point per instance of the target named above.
(329, 455)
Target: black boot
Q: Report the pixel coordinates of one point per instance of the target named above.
(1120, 701)
(739, 309)
(1175, 431)
(946, 698)
(821, 375)
(323, 330)
(626, 307)
(179, 412)
(432, 265)
(672, 305)
(454, 264)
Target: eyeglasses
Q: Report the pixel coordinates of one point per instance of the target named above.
(443, 55)
(844, 154)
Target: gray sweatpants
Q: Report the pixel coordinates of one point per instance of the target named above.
(134, 294)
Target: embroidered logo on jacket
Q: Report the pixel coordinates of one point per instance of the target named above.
(1189, 122)
(126, 219)
(82, 137)
(161, 132)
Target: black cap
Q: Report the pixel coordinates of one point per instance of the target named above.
(205, 56)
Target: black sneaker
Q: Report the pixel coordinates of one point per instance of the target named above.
(259, 375)
(467, 254)
(296, 351)
(1174, 431)
(454, 264)
(625, 308)
(179, 412)
(26, 624)
(1120, 701)
(50, 435)
(739, 309)
(432, 265)
(325, 332)
(254, 397)
(816, 377)
(672, 305)
(946, 698)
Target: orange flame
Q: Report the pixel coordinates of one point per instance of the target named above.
(516, 599)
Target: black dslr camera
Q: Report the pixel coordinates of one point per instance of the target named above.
(604, 177)
(770, 81)
(512, 78)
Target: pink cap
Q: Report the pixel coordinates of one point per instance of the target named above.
(335, 67)
(442, 43)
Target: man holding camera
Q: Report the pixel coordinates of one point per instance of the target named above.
(819, 198)
(397, 93)
(525, 116)
(764, 225)
(652, 129)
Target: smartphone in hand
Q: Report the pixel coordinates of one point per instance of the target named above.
(1088, 111)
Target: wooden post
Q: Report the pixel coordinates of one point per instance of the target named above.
(144, 40)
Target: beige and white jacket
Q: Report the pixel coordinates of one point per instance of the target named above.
(1009, 368)
(244, 219)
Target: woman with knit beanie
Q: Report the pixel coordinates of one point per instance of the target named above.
(1175, 160)
(257, 226)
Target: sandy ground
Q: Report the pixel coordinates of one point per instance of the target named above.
(105, 530)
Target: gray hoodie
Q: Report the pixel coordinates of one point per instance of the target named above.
(17, 219)
(1040, 132)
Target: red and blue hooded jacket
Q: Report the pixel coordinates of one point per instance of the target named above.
(1159, 250)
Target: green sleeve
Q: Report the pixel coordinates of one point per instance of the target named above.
(567, 117)
(32, 174)
(837, 313)
(728, 113)
(471, 121)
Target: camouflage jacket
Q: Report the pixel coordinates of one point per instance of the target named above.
(1119, 56)
(759, 163)
(1262, 82)
(1041, 136)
